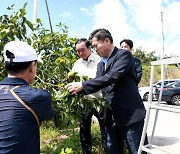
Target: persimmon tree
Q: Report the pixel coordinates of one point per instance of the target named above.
(57, 53)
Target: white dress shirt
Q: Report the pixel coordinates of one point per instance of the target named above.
(88, 68)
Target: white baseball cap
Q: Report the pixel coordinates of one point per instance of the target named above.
(19, 52)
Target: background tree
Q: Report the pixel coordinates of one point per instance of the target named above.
(12, 27)
(146, 58)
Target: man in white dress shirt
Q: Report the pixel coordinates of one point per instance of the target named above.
(86, 65)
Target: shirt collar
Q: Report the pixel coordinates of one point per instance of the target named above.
(105, 59)
(90, 58)
(13, 81)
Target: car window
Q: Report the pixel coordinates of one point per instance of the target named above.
(171, 81)
(166, 82)
(158, 84)
(176, 84)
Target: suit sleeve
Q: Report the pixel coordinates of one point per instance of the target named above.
(46, 101)
(99, 67)
(138, 68)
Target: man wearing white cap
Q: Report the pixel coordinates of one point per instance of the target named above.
(22, 107)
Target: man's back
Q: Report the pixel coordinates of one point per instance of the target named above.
(21, 109)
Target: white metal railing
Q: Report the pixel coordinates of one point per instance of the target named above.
(169, 108)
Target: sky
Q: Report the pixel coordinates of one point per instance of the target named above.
(145, 22)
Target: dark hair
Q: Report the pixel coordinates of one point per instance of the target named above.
(101, 34)
(83, 40)
(17, 67)
(128, 42)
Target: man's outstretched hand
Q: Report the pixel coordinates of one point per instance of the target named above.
(74, 87)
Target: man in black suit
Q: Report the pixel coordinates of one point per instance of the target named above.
(127, 44)
(116, 78)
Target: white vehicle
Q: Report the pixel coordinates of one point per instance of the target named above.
(144, 91)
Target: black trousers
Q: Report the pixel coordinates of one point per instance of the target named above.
(131, 134)
(85, 131)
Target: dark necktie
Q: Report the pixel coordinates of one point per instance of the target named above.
(104, 62)
(103, 68)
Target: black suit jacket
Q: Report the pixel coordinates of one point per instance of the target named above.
(118, 84)
(138, 69)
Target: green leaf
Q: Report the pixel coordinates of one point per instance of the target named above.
(29, 41)
(11, 7)
(30, 25)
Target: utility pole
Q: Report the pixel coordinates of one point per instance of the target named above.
(55, 48)
(35, 13)
(49, 16)
(163, 67)
(162, 56)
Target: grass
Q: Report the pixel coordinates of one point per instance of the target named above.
(67, 141)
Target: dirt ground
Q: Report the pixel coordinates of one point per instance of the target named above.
(173, 73)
